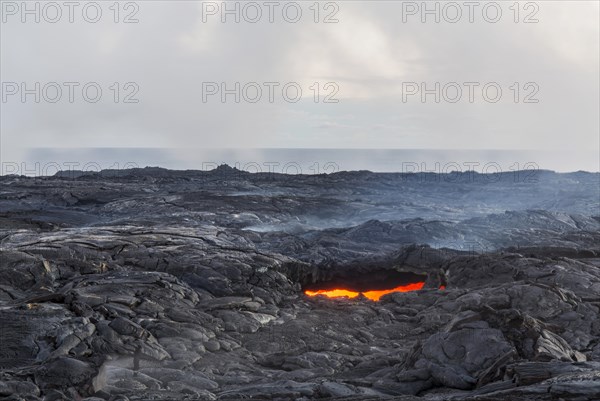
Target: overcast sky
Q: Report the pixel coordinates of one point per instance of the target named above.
(374, 59)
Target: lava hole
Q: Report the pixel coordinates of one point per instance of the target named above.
(372, 285)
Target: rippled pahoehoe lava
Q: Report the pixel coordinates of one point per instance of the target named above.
(374, 295)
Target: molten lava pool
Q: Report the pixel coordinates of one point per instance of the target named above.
(372, 295)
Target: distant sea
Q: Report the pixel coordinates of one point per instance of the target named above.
(46, 161)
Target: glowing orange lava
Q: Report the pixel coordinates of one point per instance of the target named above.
(375, 295)
(372, 295)
(333, 293)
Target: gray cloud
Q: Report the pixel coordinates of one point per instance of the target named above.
(369, 54)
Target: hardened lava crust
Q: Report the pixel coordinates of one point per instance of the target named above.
(151, 284)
